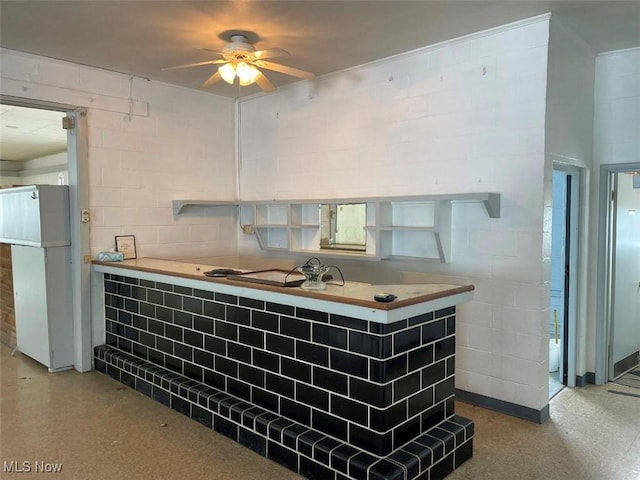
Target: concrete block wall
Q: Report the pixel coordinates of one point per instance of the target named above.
(463, 116)
(148, 143)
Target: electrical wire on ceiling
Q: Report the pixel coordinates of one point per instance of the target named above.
(131, 105)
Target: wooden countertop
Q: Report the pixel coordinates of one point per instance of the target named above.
(353, 293)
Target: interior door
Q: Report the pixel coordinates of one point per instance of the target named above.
(624, 344)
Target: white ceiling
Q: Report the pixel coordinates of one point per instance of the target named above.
(142, 37)
(28, 133)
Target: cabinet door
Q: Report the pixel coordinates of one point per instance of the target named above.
(30, 298)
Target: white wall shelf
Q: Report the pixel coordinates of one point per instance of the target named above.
(411, 227)
(180, 205)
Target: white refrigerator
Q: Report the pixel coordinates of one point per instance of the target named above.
(35, 221)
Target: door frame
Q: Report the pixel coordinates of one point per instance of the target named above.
(576, 177)
(603, 306)
(78, 168)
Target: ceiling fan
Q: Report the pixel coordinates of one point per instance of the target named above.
(240, 59)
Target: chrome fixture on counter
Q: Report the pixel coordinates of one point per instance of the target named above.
(314, 272)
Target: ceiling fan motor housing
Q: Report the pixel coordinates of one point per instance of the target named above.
(238, 47)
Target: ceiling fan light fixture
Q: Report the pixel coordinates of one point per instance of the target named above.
(228, 72)
(241, 59)
(247, 74)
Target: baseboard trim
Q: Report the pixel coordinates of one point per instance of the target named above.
(513, 409)
(625, 364)
(587, 378)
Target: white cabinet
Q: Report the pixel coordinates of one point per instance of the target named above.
(42, 298)
(35, 215)
(35, 220)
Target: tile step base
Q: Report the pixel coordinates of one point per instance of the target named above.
(312, 454)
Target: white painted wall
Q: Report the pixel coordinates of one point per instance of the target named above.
(48, 161)
(617, 107)
(45, 178)
(148, 143)
(616, 139)
(54, 165)
(8, 180)
(42, 171)
(569, 141)
(462, 116)
(570, 90)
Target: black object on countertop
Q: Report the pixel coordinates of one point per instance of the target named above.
(384, 297)
(221, 272)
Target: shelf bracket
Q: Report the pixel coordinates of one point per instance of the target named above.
(443, 231)
(259, 239)
(178, 206)
(492, 205)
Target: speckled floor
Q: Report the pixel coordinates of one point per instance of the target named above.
(99, 429)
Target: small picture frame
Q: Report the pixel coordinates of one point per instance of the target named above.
(127, 245)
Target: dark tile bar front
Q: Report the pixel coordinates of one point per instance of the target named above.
(328, 395)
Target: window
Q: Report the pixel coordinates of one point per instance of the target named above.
(343, 226)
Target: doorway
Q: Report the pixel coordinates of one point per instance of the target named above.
(77, 177)
(563, 283)
(33, 145)
(621, 288)
(34, 151)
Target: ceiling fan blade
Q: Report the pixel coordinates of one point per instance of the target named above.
(209, 50)
(276, 67)
(211, 80)
(264, 83)
(197, 64)
(270, 53)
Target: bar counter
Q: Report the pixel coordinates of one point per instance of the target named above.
(330, 383)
